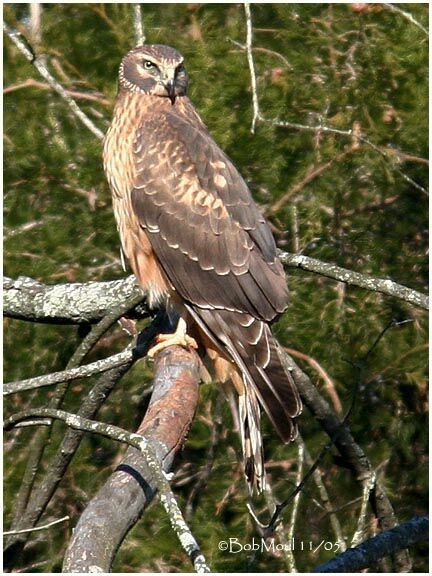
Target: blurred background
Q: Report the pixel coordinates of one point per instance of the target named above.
(361, 206)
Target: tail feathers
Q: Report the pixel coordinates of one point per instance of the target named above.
(277, 392)
(249, 343)
(250, 431)
(260, 359)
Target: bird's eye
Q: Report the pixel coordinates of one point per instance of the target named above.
(148, 65)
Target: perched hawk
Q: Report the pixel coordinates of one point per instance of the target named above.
(197, 242)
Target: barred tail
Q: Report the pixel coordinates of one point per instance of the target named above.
(250, 344)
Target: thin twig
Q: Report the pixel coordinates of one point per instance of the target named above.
(138, 26)
(36, 528)
(311, 175)
(71, 374)
(255, 103)
(295, 507)
(330, 387)
(32, 83)
(25, 48)
(354, 132)
(406, 15)
(204, 474)
(28, 226)
(360, 531)
(325, 500)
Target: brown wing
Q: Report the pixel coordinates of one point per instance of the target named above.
(212, 242)
(218, 253)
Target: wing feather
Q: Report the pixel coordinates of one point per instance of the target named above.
(202, 221)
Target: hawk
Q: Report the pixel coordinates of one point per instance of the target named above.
(197, 243)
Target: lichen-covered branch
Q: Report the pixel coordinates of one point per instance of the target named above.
(385, 544)
(27, 299)
(383, 285)
(119, 503)
(72, 374)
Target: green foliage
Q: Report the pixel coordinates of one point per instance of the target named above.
(315, 63)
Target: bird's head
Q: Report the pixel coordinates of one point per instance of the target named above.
(154, 69)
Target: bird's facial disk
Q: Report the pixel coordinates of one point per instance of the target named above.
(150, 72)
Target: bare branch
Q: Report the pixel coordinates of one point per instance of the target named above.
(329, 384)
(311, 175)
(97, 367)
(138, 26)
(406, 15)
(29, 226)
(334, 521)
(120, 502)
(36, 22)
(37, 528)
(360, 531)
(355, 132)
(385, 544)
(381, 285)
(255, 104)
(25, 48)
(33, 508)
(295, 507)
(32, 83)
(204, 474)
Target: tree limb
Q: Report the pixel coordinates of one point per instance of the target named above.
(351, 452)
(27, 299)
(120, 502)
(138, 26)
(85, 371)
(369, 552)
(35, 505)
(382, 285)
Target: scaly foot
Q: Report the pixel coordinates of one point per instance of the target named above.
(177, 338)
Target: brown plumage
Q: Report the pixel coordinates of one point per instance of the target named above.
(196, 240)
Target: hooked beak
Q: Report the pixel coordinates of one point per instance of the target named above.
(170, 87)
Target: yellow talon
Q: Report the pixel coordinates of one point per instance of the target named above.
(177, 338)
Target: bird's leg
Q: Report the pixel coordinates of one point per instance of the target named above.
(177, 338)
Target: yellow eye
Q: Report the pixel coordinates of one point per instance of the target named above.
(148, 65)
